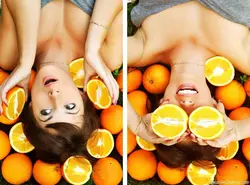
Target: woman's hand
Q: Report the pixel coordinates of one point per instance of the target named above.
(145, 131)
(229, 135)
(94, 64)
(20, 77)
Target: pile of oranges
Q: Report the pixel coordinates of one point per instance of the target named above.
(142, 161)
(17, 156)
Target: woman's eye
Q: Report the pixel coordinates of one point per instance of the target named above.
(70, 106)
(45, 112)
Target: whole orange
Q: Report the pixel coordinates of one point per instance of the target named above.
(131, 142)
(4, 145)
(3, 76)
(247, 86)
(140, 102)
(233, 171)
(44, 173)
(17, 168)
(32, 79)
(142, 165)
(111, 119)
(134, 79)
(170, 175)
(240, 113)
(155, 79)
(107, 171)
(232, 95)
(246, 148)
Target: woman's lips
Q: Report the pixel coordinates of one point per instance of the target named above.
(187, 89)
(49, 80)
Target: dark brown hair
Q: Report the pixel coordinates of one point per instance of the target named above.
(69, 139)
(180, 155)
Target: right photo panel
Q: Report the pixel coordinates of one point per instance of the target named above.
(188, 99)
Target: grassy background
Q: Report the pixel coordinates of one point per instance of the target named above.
(239, 76)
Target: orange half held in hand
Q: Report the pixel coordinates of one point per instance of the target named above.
(18, 140)
(76, 70)
(169, 121)
(98, 94)
(145, 145)
(100, 144)
(229, 151)
(16, 101)
(206, 123)
(219, 71)
(77, 170)
(201, 174)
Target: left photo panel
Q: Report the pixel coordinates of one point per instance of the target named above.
(61, 113)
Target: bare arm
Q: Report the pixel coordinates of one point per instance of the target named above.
(104, 13)
(26, 16)
(243, 128)
(133, 119)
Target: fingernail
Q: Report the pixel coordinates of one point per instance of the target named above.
(219, 101)
(178, 139)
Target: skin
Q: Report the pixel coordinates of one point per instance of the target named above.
(57, 35)
(186, 49)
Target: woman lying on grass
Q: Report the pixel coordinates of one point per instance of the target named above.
(50, 34)
(185, 34)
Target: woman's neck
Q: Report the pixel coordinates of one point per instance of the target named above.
(189, 58)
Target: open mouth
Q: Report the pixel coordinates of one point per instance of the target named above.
(48, 81)
(187, 89)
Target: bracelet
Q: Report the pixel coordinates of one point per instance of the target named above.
(101, 25)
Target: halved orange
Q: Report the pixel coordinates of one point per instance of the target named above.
(101, 143)
(229, 151)
(206, 123)
(77, 72)
(16, 101)
(219, 71)
(77, 170)
(6, 121)
(18, 140)
(169, 121)
(98, 93)
(201, 174)
(145, 145)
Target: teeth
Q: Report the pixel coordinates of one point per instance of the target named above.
(187, 91)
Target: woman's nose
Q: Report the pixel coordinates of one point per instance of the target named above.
(187, 103)
(54, 93)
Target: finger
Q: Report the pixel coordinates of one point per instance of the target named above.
(86, 80)
(109, 86)
(172, 142)
(214, 144)
(201, 142)
(159, 140)
(214, 102)
(220, 107)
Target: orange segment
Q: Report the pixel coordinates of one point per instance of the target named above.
(145, 145)
(98, 93)
(16, 101)
(101, 143)
(219, 71)
(18, 140)
(206, 123)
(77, 72)
(202, 174)
(77, 170)
(169, 121)
(229, 151)
(6, 121)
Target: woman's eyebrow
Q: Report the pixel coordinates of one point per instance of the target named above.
(73, 112)
(46, 119)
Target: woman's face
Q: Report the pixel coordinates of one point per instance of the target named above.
(55, 98)
(188, 92)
